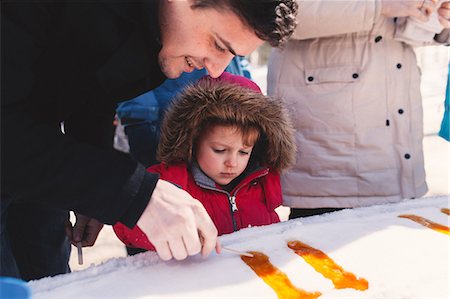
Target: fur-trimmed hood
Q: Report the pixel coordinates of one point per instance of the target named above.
(231, 99)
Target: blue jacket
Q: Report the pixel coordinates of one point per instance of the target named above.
(445, 125)
(150, 106)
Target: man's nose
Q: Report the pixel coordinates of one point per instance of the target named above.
(216, 67)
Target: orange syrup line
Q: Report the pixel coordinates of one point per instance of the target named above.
(445, 211)
(327, 267)
(275, 278)
(428, 223)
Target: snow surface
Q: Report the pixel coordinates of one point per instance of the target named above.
(398, 257)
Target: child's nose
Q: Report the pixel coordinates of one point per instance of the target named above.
(231, 161)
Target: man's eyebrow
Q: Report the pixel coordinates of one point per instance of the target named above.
(228, 46)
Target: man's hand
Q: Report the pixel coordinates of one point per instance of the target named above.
(420, 9)
(444, 14)
(177, 224)
(85, 230)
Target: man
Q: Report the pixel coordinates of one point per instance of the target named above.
(69, 63)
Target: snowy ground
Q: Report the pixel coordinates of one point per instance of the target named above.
(391, 257)
(411, 268)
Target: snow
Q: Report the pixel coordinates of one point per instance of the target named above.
(398, 257)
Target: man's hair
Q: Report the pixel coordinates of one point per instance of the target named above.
(273, 21)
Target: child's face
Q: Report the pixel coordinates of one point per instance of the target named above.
(221, 153)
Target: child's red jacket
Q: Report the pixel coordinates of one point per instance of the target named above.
(251, 203)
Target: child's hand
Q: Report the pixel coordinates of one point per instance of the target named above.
(85, 230)
(444, 14)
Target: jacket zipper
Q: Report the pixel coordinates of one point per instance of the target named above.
(232, 198)
(233, 206)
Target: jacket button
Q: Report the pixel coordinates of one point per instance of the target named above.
(399, 65)
(378, 38)
(310, 78)
(407, 156)
(355, 75)
(400, 111)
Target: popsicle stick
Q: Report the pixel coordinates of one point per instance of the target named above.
(80, 253)
(237, 251)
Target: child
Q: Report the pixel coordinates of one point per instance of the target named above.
(225, 143)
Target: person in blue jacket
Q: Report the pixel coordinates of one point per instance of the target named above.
(444, 132)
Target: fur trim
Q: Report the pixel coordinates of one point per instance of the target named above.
(229, 103)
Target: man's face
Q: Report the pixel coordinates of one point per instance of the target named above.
(201, 38)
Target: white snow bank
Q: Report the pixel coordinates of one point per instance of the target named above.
(398, 257)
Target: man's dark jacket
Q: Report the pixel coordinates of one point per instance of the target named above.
(70, 62)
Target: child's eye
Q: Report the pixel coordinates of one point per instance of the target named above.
(218, 150)
(244, 152)
(219, 48)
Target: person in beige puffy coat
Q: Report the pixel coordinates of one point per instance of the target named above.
(354, 94)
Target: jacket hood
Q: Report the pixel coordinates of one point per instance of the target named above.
(229, 99)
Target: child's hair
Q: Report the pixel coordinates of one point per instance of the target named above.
(250, 133)
(227, 100)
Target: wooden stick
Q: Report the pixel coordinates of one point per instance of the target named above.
(80, 253)
(237, 251)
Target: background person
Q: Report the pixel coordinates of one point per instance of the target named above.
(444, 131)
(354, 91)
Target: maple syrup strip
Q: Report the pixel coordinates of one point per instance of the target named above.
(427, 223)
(275, 278)
(327, 267)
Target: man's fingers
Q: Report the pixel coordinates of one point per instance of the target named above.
(68, 230)
(206, 229)
(79, 227)
(192, 242)
(92, 229)
(218, 247)
(163, 250)
(178, 249)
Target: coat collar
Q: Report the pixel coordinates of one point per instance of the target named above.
(204, 181)
(135, 62)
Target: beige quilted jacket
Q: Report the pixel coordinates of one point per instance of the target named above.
(354, 95)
